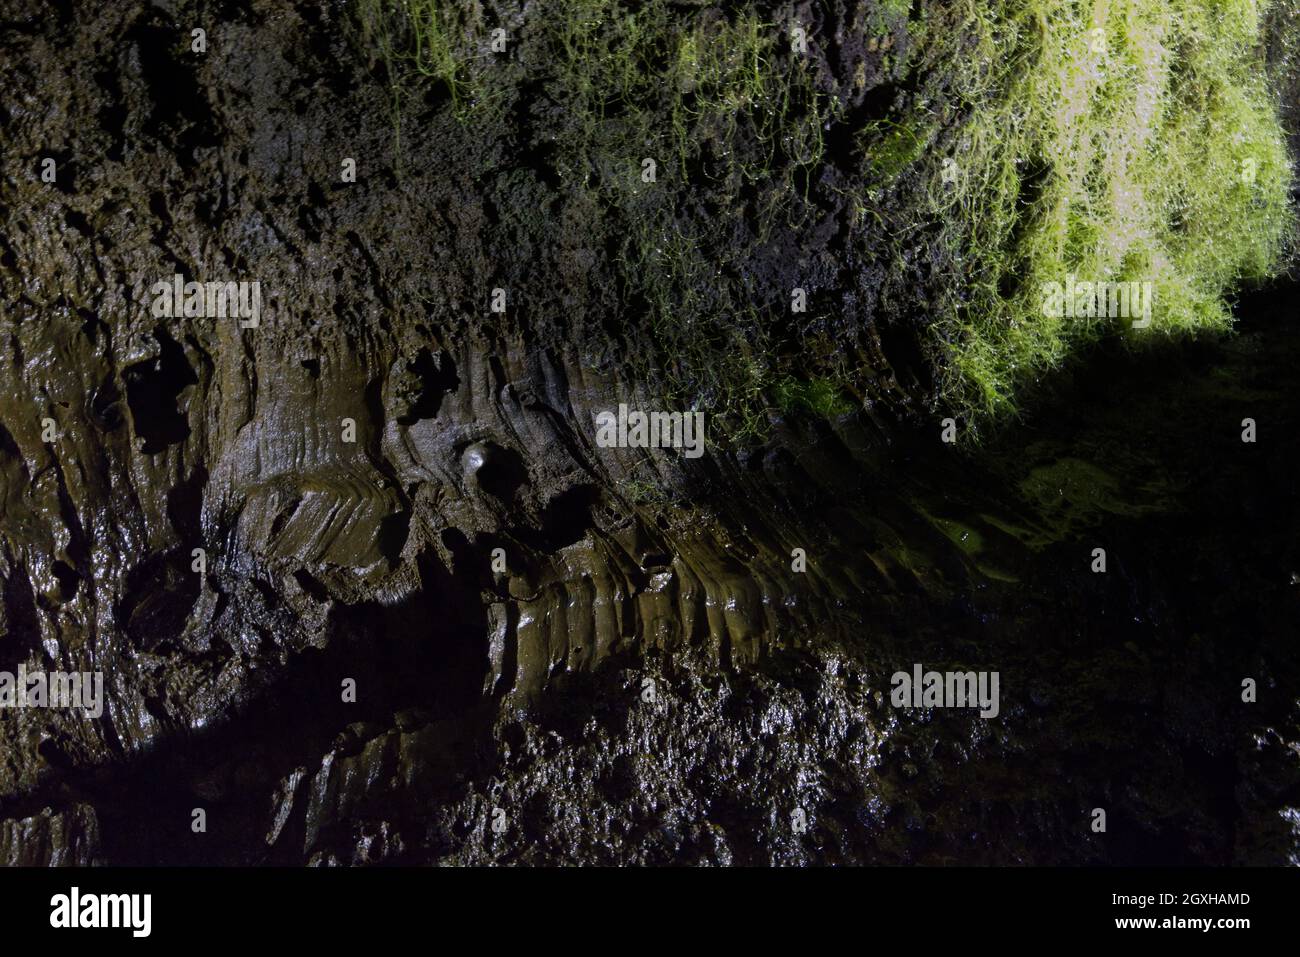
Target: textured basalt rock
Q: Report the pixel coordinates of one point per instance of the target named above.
(647, 680)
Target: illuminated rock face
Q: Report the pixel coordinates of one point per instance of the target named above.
(358, 575)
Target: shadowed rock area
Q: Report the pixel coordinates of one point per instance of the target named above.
(608, 651)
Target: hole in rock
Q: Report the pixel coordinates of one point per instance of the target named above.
(152, 388)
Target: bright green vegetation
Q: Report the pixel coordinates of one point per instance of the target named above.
(1109, 140)
(1103, 140)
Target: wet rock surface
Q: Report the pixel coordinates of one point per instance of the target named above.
(638, 675)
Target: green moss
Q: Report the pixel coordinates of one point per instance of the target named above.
(1133, 140)
(1095, 140)
(723, 110)
(892, 147)
(643, 492)
(821, 396)
(885, 14)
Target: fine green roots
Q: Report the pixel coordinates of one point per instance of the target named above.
(1066, 141)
